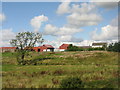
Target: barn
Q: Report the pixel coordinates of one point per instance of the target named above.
(64, 47)
(8, 49)
(44, 48)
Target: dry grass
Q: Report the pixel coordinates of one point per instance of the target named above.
(96, 69)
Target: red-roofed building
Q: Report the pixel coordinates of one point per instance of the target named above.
(8, 49)
(44, 48)
(64, 47)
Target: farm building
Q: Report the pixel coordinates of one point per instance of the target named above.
(8, 49)
(98, 45)
(44, 48)
(63, 47)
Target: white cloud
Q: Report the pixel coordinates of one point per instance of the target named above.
(84, 14)
(62, 33)
(83, 8)
(107, 33)
(2, 17)
(6, 36)
(64, 38)
(63, 8)
(55, 31)
(81, 20)
(69, 38)
(37, 21)
(80, 15)
(50, 30)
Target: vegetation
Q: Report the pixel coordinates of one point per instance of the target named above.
(96, 69)
(24, 42)
(114, 47)
(71, 82)
(75, 48)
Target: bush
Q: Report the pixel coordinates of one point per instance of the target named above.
(71, 82)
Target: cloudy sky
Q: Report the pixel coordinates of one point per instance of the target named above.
(79, 23)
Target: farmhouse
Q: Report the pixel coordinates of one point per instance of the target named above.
(44, 48)
(63, 47)
(98, 45)
(8, 49)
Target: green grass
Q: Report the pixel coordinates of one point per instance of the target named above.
(97, 69)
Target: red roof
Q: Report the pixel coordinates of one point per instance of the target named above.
(64, 46)
(8, 47)
(41, 48)
(48, 46)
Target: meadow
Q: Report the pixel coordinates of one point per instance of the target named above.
(97, 69)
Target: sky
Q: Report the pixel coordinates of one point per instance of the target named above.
(78, 23)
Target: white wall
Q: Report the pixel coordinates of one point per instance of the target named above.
(99, 46)
(46, 50)
(58, 50)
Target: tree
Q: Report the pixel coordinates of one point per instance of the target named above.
(25, 40)
(74, 48)
(114, 47)
(104, 47)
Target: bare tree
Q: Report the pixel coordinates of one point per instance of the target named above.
(23, 41)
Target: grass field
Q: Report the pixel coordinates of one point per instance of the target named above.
(97, 69)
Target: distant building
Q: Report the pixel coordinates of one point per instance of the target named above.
(98, 45)
(8, 49)
(44, 48)
(64, 47)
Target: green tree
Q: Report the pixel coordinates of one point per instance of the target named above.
(74, 48)
(105, 47)
(114, 47)
(25, 40)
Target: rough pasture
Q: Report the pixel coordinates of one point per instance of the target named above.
(97, 69)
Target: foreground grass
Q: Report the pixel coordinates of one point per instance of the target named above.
(96, 69)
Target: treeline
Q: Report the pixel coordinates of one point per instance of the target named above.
(75, 48)
(115, 47)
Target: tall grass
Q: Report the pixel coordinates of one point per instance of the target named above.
(97, 69)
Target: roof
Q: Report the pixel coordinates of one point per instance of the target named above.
(40, 47)
(48, 46)
(45, 46)
(8, 47)
(64, 46)
(95, 44)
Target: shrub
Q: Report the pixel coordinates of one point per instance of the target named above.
(71, 82)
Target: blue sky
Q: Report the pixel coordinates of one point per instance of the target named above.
(19, 15)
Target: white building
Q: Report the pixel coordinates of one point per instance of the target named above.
(98, 45)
